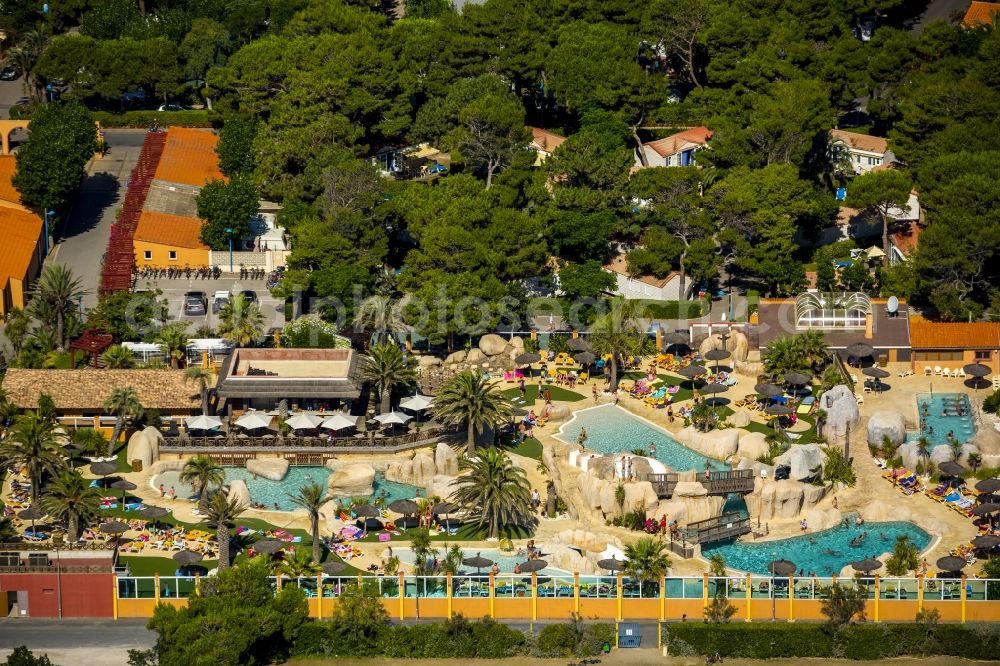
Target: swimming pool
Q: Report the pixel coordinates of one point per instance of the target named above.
(269, 493)
(611, 429)
(505, 561)
(943, 413)
(823, 553)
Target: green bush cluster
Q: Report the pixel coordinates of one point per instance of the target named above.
(868, 641)
(143, 119)
(455, 638)
(992, 403)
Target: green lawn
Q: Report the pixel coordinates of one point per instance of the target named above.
(529, 448)
(557, 393)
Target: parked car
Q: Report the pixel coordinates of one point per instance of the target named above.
(219, 301)
(173, 107)
(249, 296)
(10, 73)
(134, 97)
(195, 303)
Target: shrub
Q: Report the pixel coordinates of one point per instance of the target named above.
(749, 641)
(145, 119)
(992, 403)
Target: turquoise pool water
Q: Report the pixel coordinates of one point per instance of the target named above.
(941, 413)
(505, 561)
(269, 492)
(823, 553)
(611, 429)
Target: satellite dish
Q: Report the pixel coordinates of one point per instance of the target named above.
(892, 305)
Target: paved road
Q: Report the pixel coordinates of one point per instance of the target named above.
(11, 92)
(938, 9)
(84, 236)
(67, 642)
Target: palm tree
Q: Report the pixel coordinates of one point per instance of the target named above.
(645, 560)
(975, 460)
(783, 356)
(241, 321)
(382, 316)
(202, 377)
(220, 513)
(17, 329)
(385, 282)
(54, 300)
(924, 448)
(420, 546)
(385, 368)
(174, 339)
(69, 497)
(117, 357)
(472, 400)
(202, 473)
(812, 346)
(298, 565)
(32, 444)
(452, 561)
(618, 333)
(91, 442)
(310, 497)
(494, 492)
(124, 404)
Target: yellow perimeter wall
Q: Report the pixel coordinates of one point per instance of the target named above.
(160, 257)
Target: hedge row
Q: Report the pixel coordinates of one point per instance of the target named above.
(143, 119)
(861, 641)
(457, 638)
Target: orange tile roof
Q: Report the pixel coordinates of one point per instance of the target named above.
(925, 334)
(980, 14)
(21, 231)
(545, 140)
(675, 143)
(166, 229)
(189, 157)
(906, 237)
(7, 190)
(619, 265)
(865, 142)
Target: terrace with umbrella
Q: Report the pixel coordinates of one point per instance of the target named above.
(878, 374)
(203, 424)
(254, 423)
(393, 419)
(527, 359)
(478, 562)
(304, 422)
(977, 373)
(406, 508)
(339, 422)
(859, 352)
(578, 345)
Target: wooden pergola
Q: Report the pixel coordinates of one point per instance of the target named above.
(94, 342)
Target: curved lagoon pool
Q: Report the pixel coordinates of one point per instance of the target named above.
(823, 553)
(271, 493)
(611, 429)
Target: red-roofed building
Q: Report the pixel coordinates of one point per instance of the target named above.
(864, 151)
(903, 239)
(676, 149)
(544, 143)
(954, 344)
(23, 248)
(980, 14)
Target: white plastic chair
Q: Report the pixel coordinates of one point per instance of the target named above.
(960, 373)
(927, 371)
(946, 372)
(937, 370)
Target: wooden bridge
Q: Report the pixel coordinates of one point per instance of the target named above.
(720, 528)
(719, 483)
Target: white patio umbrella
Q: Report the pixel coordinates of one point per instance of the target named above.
(417, 403)
(253, 421)
(203, 422)
(339, 422)
(393, 418)
(304, 421)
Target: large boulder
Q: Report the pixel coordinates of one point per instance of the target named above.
(640, 495)
(739, 419)
(475, 356)
(156, 440)
(140, 450)
(239, 492)
(967, 450)
(352, 480)
(752, 446)
(842, 413)
(689, 489)
(455, 357)
(427, 361)
(886, 423)
(806, 461)
(274, 469)
(910, 453)
(445, 460)
(517, 342)
(739, 346)
(942, 453)
(559, 413)
(718, 444)
(418, 472)
(492, 344)
(822, 519)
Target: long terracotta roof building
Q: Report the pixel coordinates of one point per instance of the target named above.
(23, 248)
(83, 392)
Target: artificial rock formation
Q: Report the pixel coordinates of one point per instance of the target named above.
(274, 469)
(356, 479)
(239, 492)
(842, 412)
(806, 461)
(784, 499)
(140, 449)
(752, 446)
(445, 460)
(719, 444)
(417, 472)
(886, 423)
(492, 344)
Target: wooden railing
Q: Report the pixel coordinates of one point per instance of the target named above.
(719, 528)
(718, 483)
(242, 447)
